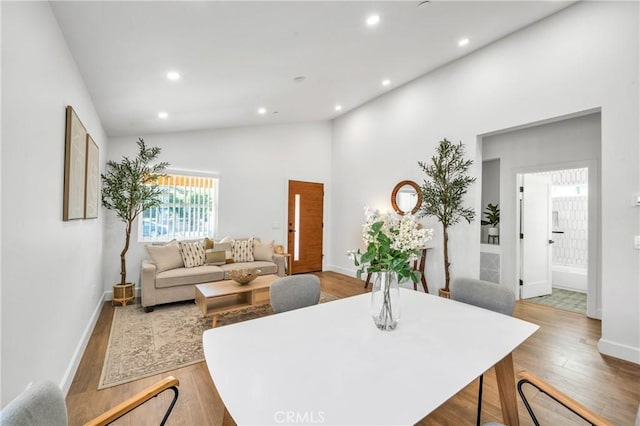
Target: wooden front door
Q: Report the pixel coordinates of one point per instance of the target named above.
(305, 224)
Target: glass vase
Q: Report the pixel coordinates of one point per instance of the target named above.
(385, 300)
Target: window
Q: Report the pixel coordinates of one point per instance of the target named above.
(188, 209)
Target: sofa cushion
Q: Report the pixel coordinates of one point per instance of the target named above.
(185, 276)
(265, 267)
(165, 256)
(192, 253)
(263, 250)
(243, 250)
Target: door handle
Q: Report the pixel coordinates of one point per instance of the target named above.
(292, 230)
(551, 241)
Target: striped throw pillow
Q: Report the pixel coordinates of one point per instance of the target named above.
(192, 254)
(243, 250)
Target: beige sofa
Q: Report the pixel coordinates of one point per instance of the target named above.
(171, 274)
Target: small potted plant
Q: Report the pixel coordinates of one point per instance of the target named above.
(492, 213)
(443, 193)
(129, 188)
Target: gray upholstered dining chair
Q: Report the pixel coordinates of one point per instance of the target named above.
(294, 292)
(43, 404)
(485, 295)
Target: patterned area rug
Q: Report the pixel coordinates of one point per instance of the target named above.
(144, 344)
(563, 299)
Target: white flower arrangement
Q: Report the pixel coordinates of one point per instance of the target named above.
(392, 242)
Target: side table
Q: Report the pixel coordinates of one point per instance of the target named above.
(289, 260)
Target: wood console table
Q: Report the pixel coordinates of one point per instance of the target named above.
(418, 265)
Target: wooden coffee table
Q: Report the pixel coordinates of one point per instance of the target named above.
(227, 295)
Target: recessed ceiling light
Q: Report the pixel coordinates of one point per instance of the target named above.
(463, 42)
(386, 82)
(173, 75)
(163, 115)
(262, 110)
(373, 20)
(338, 107)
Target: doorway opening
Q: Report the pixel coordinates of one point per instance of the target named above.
(554, 238)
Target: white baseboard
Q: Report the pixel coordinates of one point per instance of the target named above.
(341, 270)
(618, 350)
(597, 315)
(68, 376)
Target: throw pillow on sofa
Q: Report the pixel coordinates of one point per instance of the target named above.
(263, 250)
(165, 256)
(227, 248)
(215, 257)
(243, 250)
(208, 243)
(192, 254)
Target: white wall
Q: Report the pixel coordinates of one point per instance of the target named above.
(573, 142)
(584, 57)
(254, 165)
(51, 270)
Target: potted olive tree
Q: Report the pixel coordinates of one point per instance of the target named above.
(128, 188)
(443, 192)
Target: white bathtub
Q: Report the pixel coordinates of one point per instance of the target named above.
(569, 278)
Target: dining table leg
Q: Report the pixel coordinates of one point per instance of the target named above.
(507, 389)
(227, 420)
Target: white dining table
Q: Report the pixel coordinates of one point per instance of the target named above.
(329, 364)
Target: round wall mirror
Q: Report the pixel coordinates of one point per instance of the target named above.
(406, 197)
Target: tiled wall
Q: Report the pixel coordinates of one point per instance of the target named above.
(570, 248)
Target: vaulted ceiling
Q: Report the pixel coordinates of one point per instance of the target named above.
(297, 60)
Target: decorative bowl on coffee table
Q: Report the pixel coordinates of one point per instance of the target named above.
(244, 276)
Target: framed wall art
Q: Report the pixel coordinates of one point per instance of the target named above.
(74, 167)
(92, 179)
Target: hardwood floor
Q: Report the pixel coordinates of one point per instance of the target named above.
(563, 352)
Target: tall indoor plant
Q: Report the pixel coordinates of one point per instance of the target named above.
(129, 187)
(443, 192)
